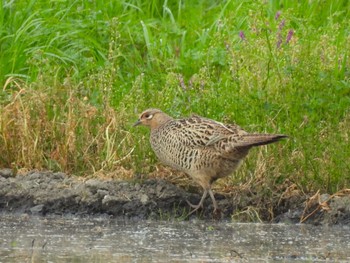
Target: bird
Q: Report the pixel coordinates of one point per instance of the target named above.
(203, 148)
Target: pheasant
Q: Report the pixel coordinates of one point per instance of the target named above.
(204, 149)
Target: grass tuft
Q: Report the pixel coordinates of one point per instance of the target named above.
(47, 129)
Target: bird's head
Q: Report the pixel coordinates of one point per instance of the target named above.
(152, 118)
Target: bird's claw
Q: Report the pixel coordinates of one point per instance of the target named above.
(195, 207)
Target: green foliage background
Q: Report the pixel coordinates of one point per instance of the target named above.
(270, 66)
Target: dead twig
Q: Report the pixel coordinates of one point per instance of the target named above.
(322, 205)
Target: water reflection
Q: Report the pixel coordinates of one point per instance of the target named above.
(36, 239)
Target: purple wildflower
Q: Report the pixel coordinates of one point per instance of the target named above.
(279, 33)
(279, 41)
(278, 14)
(241, 35)
(289, 36)
(281, 25)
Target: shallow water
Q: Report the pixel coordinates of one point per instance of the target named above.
(57, 239)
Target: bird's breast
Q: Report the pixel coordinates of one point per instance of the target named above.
(173, 151)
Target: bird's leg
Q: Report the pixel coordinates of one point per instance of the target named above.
(196, 207)
(215, 204)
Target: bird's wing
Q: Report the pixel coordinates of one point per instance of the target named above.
(201, 132)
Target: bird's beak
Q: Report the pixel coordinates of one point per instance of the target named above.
(137, 123)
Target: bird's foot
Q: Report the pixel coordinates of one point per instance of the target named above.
(195, 207)
(217, 214)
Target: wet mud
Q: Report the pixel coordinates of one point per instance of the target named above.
(45, 193)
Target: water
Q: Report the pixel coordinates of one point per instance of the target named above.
(37, 239)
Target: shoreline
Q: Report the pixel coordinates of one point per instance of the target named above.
(46, 193)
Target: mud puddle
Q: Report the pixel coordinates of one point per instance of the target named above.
(101, 239)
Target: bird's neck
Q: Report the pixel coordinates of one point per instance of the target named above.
(160, 121)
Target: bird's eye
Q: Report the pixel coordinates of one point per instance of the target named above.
(148, 116)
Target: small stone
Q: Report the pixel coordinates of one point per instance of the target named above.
(144, 199)
(94, 185)
(37, 209)
(324, 197)
(24, 217)
(35, 175)
(58, 176)
(7, 173)
(109, 198)
(102, 192)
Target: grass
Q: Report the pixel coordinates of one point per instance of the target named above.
(74, 75)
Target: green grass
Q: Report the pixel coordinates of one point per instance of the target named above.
(76, 73)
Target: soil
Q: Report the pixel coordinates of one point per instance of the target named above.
(47, 193)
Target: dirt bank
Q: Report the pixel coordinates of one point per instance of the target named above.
(43, 193)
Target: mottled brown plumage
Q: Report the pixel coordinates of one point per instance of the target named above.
(203, 148)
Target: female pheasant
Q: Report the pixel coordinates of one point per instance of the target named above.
(203, 148)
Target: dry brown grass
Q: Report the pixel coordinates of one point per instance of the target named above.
(41, 131)
(317, 203)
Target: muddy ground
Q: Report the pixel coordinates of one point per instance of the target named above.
(47, 193)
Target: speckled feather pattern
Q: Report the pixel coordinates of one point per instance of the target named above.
(203, 148)
(200, 145)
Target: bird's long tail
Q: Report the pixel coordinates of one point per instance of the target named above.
(259, 139)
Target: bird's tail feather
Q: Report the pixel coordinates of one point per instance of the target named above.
(259, 139)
